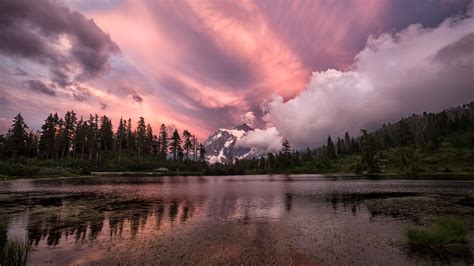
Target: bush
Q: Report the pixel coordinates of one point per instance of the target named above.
(15, 253)
(445, 237)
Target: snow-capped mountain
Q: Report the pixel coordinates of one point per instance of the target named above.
(221, 148)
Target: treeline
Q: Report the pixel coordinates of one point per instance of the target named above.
(94, 141)
(394, 147)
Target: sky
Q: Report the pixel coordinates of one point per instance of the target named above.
(294, 69)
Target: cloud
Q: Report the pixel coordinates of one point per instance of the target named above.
(39, 86)
(417, 69)
(248, 118)
(137, 98)
(48, 33)
(263, 140)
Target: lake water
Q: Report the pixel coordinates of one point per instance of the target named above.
(301, 219)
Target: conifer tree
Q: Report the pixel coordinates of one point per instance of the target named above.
(17, 138)
(163, 142)
(175, 145)
(188, 144)
(106, 134)
(368, 149)
(121, 137)
(47, 138)
(67, 133)
(285, 147)
(202, 153)
(330, 149)
(140, 136)
(347, 143)
(80, 140)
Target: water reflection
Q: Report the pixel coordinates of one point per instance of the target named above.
(82, 223)
(243, 214)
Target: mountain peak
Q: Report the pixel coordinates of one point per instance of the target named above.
(244, 127)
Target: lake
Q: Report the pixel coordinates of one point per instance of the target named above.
(295, 219)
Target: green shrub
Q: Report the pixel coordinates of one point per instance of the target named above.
(445, 237)
(15, 253)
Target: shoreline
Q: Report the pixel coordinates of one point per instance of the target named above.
(380, 176)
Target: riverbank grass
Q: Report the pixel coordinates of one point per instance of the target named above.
(15, 253)
(446, 237)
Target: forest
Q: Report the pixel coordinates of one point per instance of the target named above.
(440, 142)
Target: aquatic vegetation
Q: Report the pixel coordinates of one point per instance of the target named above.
(15, 252)
(446, 237)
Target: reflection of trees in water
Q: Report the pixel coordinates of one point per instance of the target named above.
(346, 200)
(288, 201)
(86, 223)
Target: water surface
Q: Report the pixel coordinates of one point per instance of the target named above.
(303, 219)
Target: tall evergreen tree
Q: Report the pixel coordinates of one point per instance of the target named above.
(330, 149)
(106, 134)
(368, 148)
(149, 141)
(17, 138)
(140, 137)
(80, 141)
(121, 137)
(175, 144)
(347, 143)
(188, 144)
(285, 147)
(67, 133)
(202, 153)
(47, 138)
(163, 141)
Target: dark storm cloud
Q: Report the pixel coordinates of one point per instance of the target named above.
(137, 98)
(459, 54)
(33, 29)
(81, 94)
(39, 86)
(20, 72)
(60, 78)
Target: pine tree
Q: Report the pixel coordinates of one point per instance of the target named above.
(106, 134)
(67, 133)
(163, 142)
(121, 137)
(347, 143)
(285, 147)
(175, 145)
(130, 136)
(330, 149)
(340, 146)
(17, 138)
(149, 140)
(188, 144)
(47, 138)
(368, 148)
(93, 137)
(140, 136)
(80, 140)
(202, 153)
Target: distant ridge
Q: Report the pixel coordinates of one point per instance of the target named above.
(244, 127)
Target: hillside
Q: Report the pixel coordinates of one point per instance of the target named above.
(421, 143)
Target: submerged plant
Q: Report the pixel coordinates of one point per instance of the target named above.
(15, 253)
(446, 237)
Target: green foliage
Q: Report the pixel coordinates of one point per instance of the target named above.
(15, 253)
(447, 236)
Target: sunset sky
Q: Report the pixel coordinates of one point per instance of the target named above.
(204, 64)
